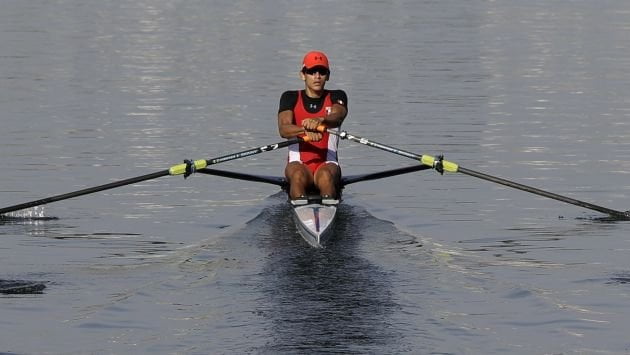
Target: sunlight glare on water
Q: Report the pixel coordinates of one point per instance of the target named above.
(37, 212)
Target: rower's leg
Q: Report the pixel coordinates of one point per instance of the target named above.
(327, 179)
(300, 178)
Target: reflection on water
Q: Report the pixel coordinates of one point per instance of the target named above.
(621, 278)
(21, 287)
(330, 299)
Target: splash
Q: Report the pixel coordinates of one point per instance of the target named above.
(36, 213)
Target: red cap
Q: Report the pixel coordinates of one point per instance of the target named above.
(315, 59)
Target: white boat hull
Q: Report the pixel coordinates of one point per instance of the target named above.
(315, 222)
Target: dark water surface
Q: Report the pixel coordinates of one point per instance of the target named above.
(533, 91)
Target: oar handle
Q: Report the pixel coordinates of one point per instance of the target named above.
(304, 138)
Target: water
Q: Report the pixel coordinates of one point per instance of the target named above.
(95, 91)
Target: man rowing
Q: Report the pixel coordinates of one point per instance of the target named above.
(312, 166)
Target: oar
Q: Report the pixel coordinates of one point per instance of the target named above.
(441, 165)
(187, 168)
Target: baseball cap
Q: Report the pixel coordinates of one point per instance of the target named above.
(315, 59)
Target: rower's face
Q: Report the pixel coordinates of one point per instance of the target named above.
(315, 78)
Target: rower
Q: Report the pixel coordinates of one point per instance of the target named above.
(312, 166)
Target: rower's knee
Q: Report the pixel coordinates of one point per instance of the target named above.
(326, 180)
(299, 175)
(327, 174)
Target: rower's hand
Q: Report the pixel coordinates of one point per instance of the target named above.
(311, 124)
(313, 136)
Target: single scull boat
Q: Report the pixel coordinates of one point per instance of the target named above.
(314, 217)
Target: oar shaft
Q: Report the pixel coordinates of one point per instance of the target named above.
(543, 193)
(428, 160)
(178, 169)
(453, 167)
(254, 151)
(387, 148)
(84, 191)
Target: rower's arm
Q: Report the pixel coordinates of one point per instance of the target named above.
(339, 109)
(286, 127)
(335, 117)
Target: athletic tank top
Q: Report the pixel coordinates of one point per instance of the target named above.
(314, 153)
